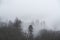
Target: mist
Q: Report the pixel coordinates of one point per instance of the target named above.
(30, 10)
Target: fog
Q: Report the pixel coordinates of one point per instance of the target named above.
(30, 10)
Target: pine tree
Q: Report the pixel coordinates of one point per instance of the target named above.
(30, 32)
(17, 22)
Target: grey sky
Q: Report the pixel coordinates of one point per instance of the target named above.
(30, 9)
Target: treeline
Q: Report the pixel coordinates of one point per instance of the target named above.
(13, 31)
(48, 35)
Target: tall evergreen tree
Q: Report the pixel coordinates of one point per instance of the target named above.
(30, 32)
(17, 22)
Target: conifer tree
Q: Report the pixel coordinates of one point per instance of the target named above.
(30, 32)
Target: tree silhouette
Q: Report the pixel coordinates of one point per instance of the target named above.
(30, 32)
(17, 22)
(12, 32)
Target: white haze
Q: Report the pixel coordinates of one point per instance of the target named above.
(30, 10)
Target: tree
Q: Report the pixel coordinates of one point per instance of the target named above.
(30, 32)
(17, 22)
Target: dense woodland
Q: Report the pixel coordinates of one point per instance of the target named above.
(13, 31)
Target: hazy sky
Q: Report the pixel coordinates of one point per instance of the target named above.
(30, 9)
